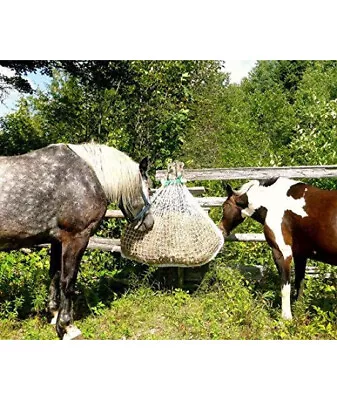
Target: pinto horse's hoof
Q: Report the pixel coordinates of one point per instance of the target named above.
(72, 333)
(287, 316)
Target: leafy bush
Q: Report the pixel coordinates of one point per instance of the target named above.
(23, 283)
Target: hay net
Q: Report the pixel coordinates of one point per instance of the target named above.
(183, 234)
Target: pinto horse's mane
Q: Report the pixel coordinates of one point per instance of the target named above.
(264, 183)
(269, 181)
(245, 187)
(116, 171)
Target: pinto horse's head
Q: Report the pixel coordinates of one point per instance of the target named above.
(231, 211)
(137, 209)
(233, 208)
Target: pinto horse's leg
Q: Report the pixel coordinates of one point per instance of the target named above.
(73, 247)
(283, 266)
(54, 273)
(300, 264)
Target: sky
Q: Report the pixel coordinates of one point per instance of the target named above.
(237, 68)
(36, 80)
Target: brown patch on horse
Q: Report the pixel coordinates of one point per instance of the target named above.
(297, 191)
(286, 229)
(315, 236)
(260, 215)
(270, 236)
(242, 201)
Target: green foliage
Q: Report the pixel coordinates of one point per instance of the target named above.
(315, 139)
(19, 80)
(322, 291)
(202, 144)
(242, 141)
(142, 107)
(23, 283)
(227, 305)
(286, 74)
(157, 108)
(98, 74)
(19, 132)
(271, 113)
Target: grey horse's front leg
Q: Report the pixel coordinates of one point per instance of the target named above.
(73, 248)
(55, 273)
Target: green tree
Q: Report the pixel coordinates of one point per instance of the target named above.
(20, 131)
(18, 80)
(315, 141)
(202, 145)
(142, 107)
(270, 111)
(284, 73)
(237, 125)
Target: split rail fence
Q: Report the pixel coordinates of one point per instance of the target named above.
(224, 174)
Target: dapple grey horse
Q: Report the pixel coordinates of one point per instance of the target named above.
(58, 195)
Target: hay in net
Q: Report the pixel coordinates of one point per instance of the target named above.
(183, 234)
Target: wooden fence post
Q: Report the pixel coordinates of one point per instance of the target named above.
(180, 274)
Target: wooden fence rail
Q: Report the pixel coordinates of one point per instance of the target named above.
(323, 171)
(326, 171)
(204, 202)
(113, 244)
(301, 172)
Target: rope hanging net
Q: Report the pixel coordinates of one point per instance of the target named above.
(183, 234)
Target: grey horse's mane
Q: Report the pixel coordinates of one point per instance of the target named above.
(116, 171)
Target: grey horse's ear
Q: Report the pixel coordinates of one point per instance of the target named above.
(144, 165)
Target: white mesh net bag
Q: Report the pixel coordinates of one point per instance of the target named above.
(183, 234)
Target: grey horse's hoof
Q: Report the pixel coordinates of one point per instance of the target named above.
(72, 333)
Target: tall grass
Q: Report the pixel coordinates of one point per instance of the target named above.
(124, 301)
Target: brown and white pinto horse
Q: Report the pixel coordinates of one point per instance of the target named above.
(300, 222)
